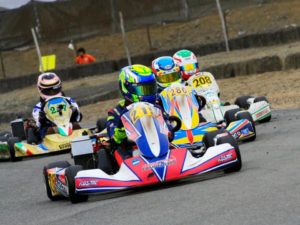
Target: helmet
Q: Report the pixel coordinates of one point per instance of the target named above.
(49, 85)
(166, 71)
(188, 63)
(137, 83)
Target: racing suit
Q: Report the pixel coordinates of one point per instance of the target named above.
(42, 123)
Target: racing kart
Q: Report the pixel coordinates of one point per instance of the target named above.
(153, 161)
(24, 144)
(205, 85)
(180, 101)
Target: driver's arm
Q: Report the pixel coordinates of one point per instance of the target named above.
(36, 114)
(114, 126)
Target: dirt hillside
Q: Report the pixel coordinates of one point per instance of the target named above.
(246, 20)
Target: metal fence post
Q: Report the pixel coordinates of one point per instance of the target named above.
(2, 65)
(224, 27)
(124, 38)
(38, 51)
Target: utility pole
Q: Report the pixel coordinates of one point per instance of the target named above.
(224, 27)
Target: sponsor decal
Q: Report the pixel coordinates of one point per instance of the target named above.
(245, 131)
(65, 146)
(222, 135)
(161, 163)
(237, 134)
(135, 162)
(61, 187)
(262, 113)
(86, 183)
(225, 158)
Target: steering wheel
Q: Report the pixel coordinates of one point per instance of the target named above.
(178, 123)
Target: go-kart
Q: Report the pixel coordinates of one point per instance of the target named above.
(180, 101)
(58, 111)
(205, 85)
(154, 159)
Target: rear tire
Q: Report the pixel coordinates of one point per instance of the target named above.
(242, 102)
(230, 115)
(4, 136)
(70, 174)
(11, 146)
(101, 124)
(247, 115)
(260, 99)
(105, 162)
(230, 140)
(31, 136)
(60, 164)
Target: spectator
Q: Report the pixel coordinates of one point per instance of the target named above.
(83, 58)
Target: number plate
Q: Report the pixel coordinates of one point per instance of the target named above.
(201, 81)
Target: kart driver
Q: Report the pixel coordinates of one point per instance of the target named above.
(137, 83)
(167, 73)
(49, 85)
(188, 63)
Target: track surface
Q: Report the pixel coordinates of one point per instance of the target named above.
(266, 191)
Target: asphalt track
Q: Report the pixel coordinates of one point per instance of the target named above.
(265, 191)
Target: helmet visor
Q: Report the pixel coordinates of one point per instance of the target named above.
(143, 89)
(189, 67)
(51, 91)
(169, 78)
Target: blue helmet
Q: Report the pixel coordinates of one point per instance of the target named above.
(166, 71)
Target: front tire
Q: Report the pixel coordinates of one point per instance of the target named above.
(247, 115)
(70, 174)
(60, 164)
(230, 140)
(11, 146)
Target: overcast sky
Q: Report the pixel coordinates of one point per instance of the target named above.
(10, 4)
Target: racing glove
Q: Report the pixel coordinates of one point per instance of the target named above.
(119, 135)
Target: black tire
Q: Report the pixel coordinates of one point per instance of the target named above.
(208, 139)
(32, 136)
(4, 136)
(242, 102)
(11, 146)
(105, 162)
(230, 140)
(101, 124)
(202, 119)
(260, 99)
(230, 115)
(60, 164)
(247, 115)
(70, 174)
